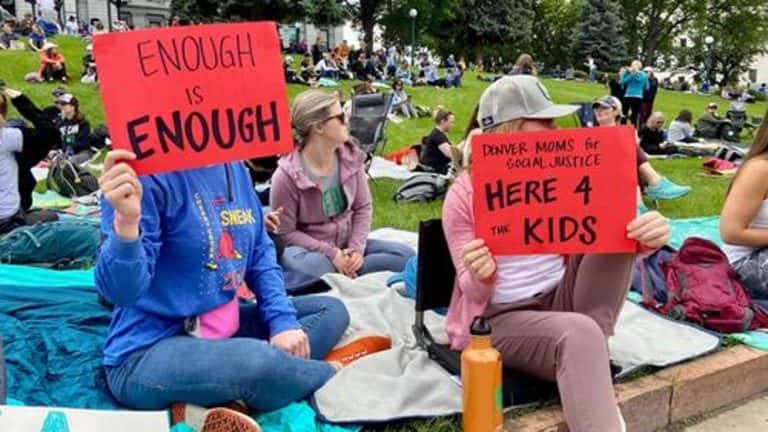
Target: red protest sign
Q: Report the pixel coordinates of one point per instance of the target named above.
(563, 192)
(185, 97)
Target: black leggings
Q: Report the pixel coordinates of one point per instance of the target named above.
(633, 103)
(50, 73)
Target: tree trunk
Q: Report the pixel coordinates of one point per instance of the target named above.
(478, 53)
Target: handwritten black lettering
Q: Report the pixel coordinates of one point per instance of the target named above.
(197, 130)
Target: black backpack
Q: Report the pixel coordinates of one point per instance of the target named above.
(69, 180)
(422, 188)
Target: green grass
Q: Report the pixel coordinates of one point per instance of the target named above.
(706, 198)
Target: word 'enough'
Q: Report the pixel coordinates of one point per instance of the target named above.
(193, 53)
(196, 131)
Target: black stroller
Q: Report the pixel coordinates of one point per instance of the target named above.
(737, 114)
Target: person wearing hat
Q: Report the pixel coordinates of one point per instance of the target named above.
(711, 125)
(608, 113)
(52, 63)
(20, 150)
(550, 318)
(74, 128)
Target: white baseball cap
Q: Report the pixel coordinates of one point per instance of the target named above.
(518, 96)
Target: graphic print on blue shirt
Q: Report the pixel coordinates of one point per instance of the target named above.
(195, 250)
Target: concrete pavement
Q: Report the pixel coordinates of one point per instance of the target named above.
(749, 417)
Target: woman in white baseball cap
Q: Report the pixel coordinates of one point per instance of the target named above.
(550, 318)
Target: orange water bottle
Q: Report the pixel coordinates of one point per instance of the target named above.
(481, 380)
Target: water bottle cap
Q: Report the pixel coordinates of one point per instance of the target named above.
(480, 327)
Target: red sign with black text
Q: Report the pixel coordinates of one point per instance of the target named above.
(561, 192)
(186, 97)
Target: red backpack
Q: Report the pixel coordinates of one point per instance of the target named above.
(704, 289)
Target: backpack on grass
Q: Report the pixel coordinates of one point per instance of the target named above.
(422, 188)
(69, 180)
(703, 288)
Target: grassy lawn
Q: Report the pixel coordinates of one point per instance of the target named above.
(706, 198)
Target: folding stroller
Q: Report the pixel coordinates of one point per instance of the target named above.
(368, 121)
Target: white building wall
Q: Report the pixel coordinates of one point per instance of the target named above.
(309, 33)
(760, 66)
(95, 9)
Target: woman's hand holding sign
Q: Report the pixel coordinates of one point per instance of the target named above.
(478, 260)
(651, 230)
(122, 189)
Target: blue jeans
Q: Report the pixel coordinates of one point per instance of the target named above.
(380, 255)
(246, 367)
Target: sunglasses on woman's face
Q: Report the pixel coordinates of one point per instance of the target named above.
(340, 117)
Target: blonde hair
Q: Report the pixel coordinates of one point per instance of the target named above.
(310, 108)
(636, 66)
(656, 116)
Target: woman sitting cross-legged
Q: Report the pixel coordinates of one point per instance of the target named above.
(177, 247)
(550, 317)
(323, 190)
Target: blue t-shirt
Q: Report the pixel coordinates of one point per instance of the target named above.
(202, 235)
(37, 37)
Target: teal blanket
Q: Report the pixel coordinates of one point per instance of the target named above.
(704, 227)
(54, 329)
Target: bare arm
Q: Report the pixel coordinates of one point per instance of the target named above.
(445, 148)
(742, 204)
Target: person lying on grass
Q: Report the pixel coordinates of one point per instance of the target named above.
(323, 190)
(550, 318)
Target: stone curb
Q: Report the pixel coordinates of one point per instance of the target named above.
(674, 394)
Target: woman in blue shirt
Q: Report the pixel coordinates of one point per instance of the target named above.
(636, 82)
(37, 38)
(177, 246)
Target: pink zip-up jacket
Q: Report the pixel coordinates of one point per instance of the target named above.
(303, 222)
(470, 296)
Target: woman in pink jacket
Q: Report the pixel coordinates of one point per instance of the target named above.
(550, 316)
(323, 191)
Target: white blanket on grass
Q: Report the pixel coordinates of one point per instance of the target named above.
(382, 168)
(403, 382)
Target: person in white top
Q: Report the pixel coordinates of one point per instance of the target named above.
(744, 220)
(681, 130)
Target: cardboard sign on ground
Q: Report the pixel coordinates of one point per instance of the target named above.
(185, 97)
(49, 419)
(563, 192)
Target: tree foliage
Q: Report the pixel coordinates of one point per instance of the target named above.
(599, 34)
(324, 13)
(732, 51)
(554, 21)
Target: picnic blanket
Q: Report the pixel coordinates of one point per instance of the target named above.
(704, 227)
(382, 168)
(403, 382)
(54, 329)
